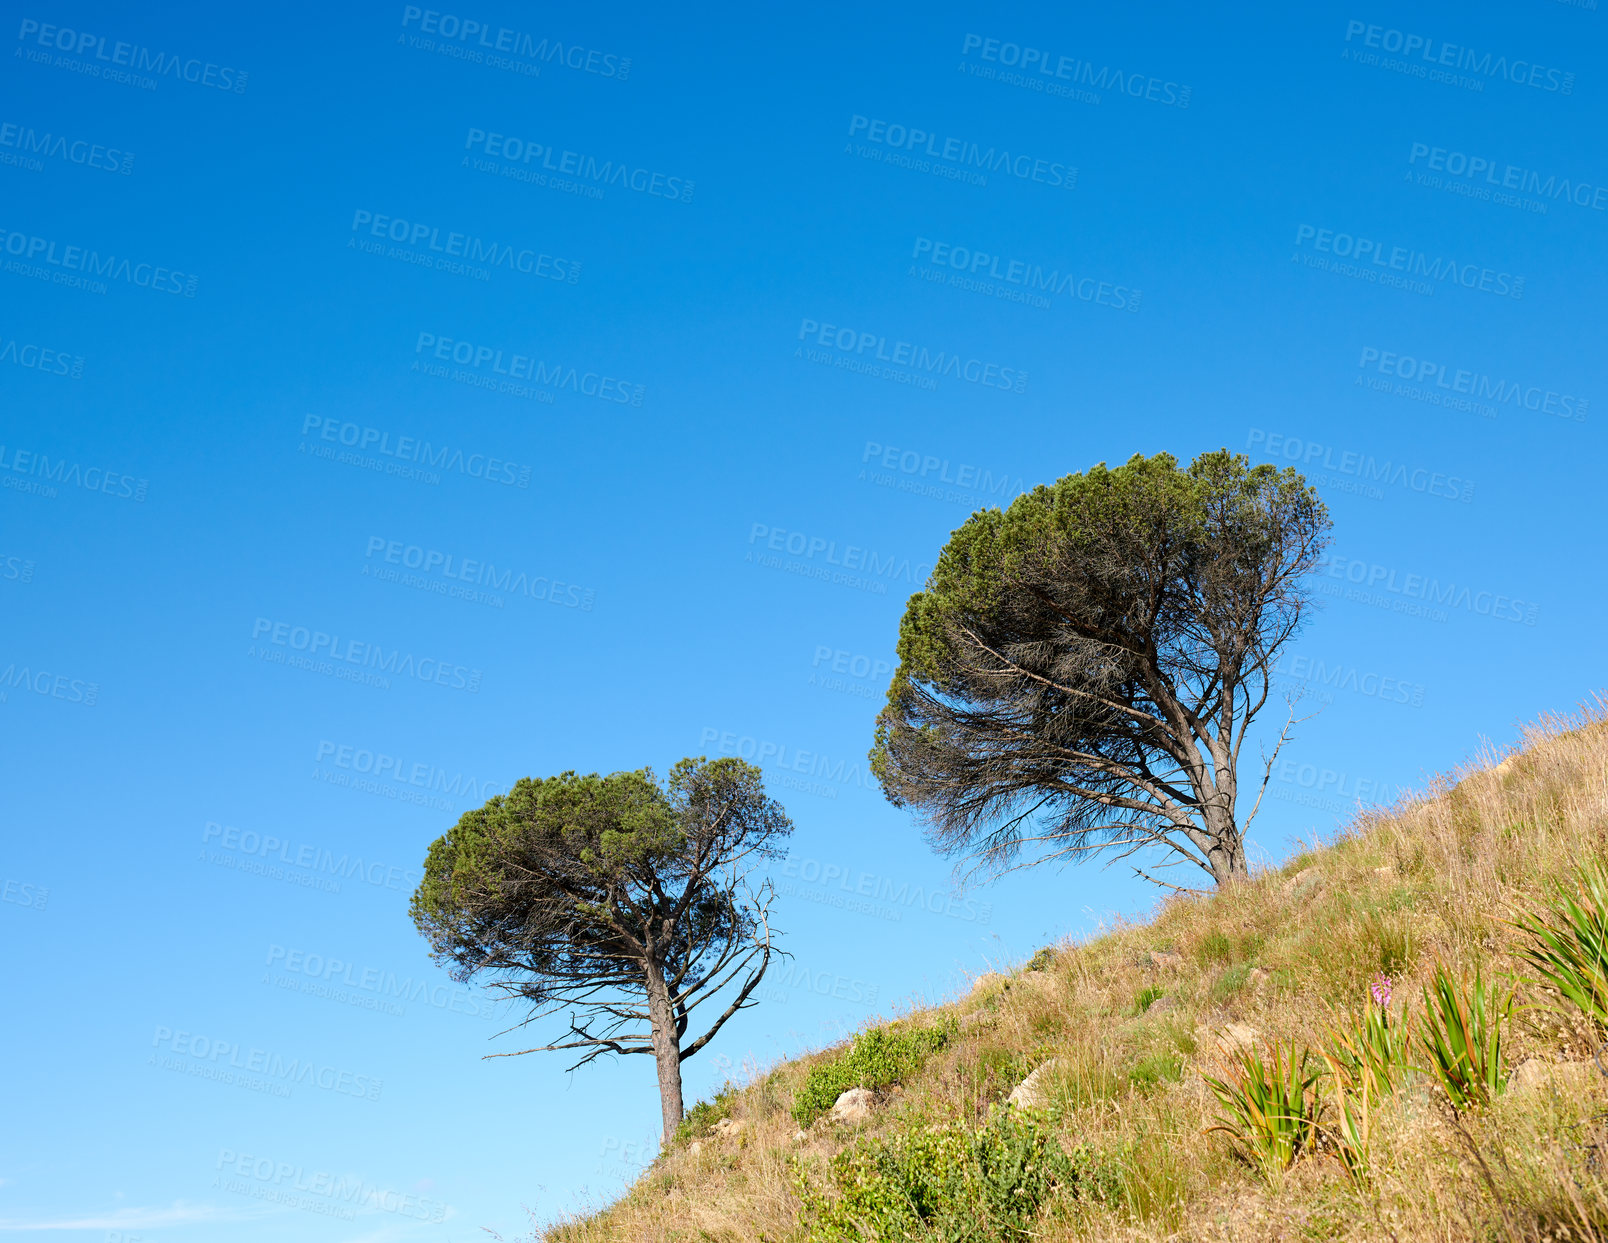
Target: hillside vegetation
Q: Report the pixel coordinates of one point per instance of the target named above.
(1128, 1030)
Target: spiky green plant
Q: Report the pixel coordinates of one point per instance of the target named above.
(1461, 1036)
(1375, 1052)
(1270, 1108)
(1568, 946)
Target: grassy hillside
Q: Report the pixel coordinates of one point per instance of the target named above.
(1127, 1025)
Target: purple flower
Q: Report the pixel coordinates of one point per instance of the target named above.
(1380, 991)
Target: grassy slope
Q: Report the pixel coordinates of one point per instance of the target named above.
(1434, 878)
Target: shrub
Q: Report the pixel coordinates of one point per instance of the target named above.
(876, 1058)
(1043, 960)
(1272, 1108)
(1462, 1038)
(697, 1120)
(1568, 947)
(1216, 947)
(985, 1187)
(1144, 997)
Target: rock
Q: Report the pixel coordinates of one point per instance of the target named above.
(1304, 881)
(1226, 1040)
(1162, 1005)
(977, 1018)
(694, 1148)
(1162, 960)
(1386, 873)
(728, 1127)
(1034, 1091)
(1535, 1074)
(799, 1137)
(1258, 976)
(854, 1105)
(985, 980)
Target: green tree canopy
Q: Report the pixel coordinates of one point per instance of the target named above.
(621, 900)
(1081, 670)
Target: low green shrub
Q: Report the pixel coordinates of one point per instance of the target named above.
(1568, 947)
(989, 1186)
(697, 1120)
(1145, 997)
(1270, 1108)
(1043, 960)
(876, 1058)
(1461, 1034)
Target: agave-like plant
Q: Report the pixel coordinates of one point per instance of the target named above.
(1462, 1038)
(1376, 1051)
(1270, 1108)
(1568, 946)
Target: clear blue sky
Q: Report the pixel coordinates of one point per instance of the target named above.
(556, 361)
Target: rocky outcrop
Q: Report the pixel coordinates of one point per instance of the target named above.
(855, 1105)
(1033, 1092)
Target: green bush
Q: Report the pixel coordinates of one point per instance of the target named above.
(1155, 1069)
(1043, 960)
(1461, 1034)
(875, 1059)
(990, 1186)
(1145, 997)
(1568, 947)
(697, 1120)
(1216, 947)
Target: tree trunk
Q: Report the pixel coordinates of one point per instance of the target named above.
(1226, 854)
(666, 1049)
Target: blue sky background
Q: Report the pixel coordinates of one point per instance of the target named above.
(156, 734)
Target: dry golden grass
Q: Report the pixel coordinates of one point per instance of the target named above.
(1434, 878)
